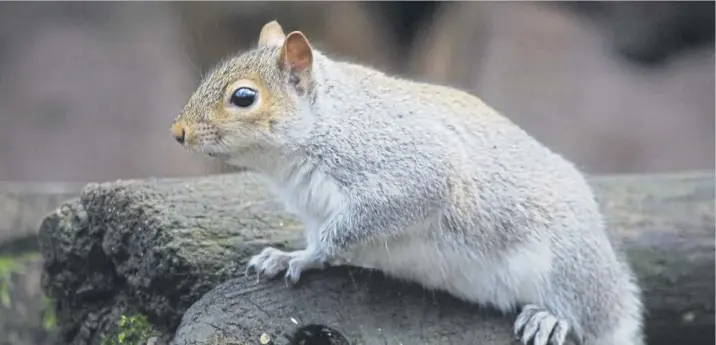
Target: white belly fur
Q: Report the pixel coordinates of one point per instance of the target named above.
(505, 281)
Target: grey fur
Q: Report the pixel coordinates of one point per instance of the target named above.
(428, 184)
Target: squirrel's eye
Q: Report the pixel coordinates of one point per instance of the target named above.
(243, 97)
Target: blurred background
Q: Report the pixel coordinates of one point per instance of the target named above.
(88, 89)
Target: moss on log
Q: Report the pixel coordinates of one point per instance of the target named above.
(155, 247)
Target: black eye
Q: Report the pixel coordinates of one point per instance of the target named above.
(243, 97)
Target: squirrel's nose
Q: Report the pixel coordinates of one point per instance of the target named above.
(180, 137)
(178, 132)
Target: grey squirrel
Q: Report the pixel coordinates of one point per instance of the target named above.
(423, 182)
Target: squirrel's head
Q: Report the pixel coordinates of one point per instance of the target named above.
(247, 102)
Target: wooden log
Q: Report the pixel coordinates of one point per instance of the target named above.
(157, 246)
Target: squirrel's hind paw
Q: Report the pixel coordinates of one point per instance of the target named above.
(538, 326)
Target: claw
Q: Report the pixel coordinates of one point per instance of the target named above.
(252, 266)
(290, 280)
(292, 277)
(248, 269)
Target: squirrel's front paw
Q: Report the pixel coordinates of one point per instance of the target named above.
(304, 260)
(539, 327)
(268, 263)
(271, 261)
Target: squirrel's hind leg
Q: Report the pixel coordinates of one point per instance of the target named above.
(535, 325)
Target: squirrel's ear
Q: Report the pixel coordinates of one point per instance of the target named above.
(296, 52)
(271, 35)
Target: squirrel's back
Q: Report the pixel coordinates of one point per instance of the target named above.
(430, 126)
